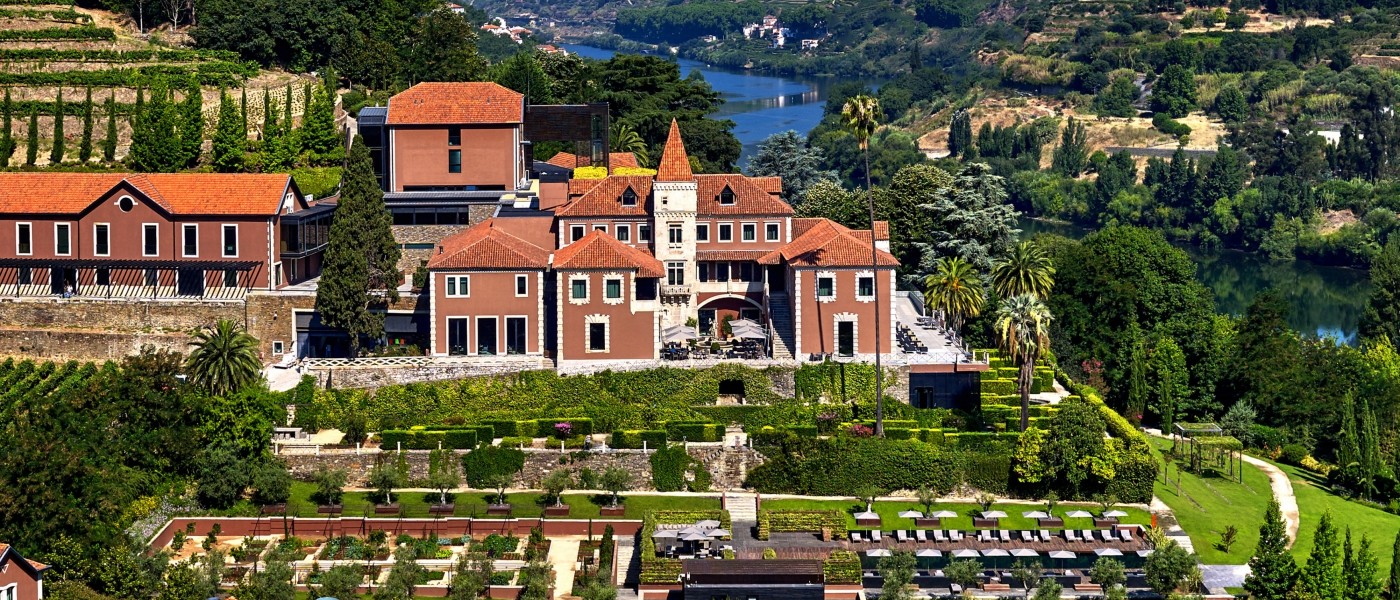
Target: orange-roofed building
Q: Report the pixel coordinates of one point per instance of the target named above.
(180, 235)
(20, 578)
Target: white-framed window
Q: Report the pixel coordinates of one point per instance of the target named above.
(189, 240)
(597, 334)
(230, 241)
(726, 197)
(726, 232)
(623, 233)
(644, 232)
(702, 232)
(576, 233)
(770, 232)
(101, 239)
(722, 271)
(826, 287)
(675, 235)
(578, 289)
(10, 592)
(279, 347)
(458, 335)
(675, 273)
(458, 286)
(612, 290)
(24, 239)
(865, 287)
(126, 203)
(62, 239)
(748, 232)
(150, 239)
(522, 286)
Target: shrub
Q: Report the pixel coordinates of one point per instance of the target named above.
(695, 432)
(899, 433)
(999, 386)
(843, 567)
(502, 428)
(575, 426)
(804, 431)
(668, 469)
(459, 439)
(1170, 126)
(1294, 454)
(485, 467)
(633, 439)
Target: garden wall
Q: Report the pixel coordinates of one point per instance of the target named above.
(337, 526)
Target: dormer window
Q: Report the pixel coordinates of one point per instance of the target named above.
(629, 197)
(726, 197)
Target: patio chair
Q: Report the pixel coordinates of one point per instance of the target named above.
(1127, 534)
(955, 535)
(875, 535)
(856, 537)
(920, 536)
(1044, 535)
(1106, 535)
(984, 535)
(1070, 536)
(938, 536)
(1088, 535)
(956, 589)
(1004, 535)
(1027, 536)
(900, 535)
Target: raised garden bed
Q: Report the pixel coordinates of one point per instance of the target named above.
(330, 509)
(1055, 523)
(1101, 522)
(442, 509)
(980, 522)
(557, 511)
(612, 511)
(928, 522)
(274, 509)
(386, 509)
(498, 509)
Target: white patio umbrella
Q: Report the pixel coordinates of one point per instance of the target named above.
(718, 533)
(689, 530)
(910, 514)
(678, 333)
(943, 514)
(877, 552)
(994, 552)
(1035, 514)
(1078, 514)
(664, 533)
(928, 552)
(695, 537)
(1145, 552)
(749, 334)
(743, 323)
(1115, 514)
(1108, 552)
(1024, 553)
(993, 514)
(965, 553)
(707, 524)
(1062, 554)
(867, 514)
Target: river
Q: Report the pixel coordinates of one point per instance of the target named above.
(1325, 301)
(759, 105)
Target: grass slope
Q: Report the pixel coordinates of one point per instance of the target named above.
(1207, 505)
(1314, 499)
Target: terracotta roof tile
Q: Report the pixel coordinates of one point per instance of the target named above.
(828, 244)
(487, 246)
(570, 160)
(178, 193)
(579, 187)
(464, 103)
(605, 198)
(675, 164)
(598, 250)
(772, 185)
(749, 197)
(730, 254)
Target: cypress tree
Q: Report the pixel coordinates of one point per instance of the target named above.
(243, 110)
(318, 133)
(7, 138)
(155, 135)
(85, 146)
(109, 143)
(1348, 445)
(1363, 578)
(1071, 157)
(1322, 575)
(229, 140)
(269, 128)
(287, 122)
(56, 154)
(1370, 442)
(1393, 590)
(31, 150)
(361, 257)
(192, 123)
(1272, 571)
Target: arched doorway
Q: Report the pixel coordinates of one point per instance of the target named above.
(712, 312)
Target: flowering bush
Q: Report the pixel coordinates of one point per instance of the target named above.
(826, 421)
(563, 430)
(861, 431)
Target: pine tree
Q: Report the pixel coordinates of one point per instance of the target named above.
(109, 143)
(1071, 157)
(1393, 590)
(7, 137)
(229, 141)
(31, 150)
(1322, 575)
(155, 134)
(85, 146)
(1272, 571)
(360, 267)
(56, 154)
(318, 133)
(192, 123)
(1363, 579)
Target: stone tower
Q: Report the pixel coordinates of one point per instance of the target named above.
(673, 227)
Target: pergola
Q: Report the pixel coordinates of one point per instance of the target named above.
(1208, 447)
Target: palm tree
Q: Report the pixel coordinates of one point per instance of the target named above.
(955, 290)
(626, 139)
(1023, 331)
(860, 114)
(225, 358)
(1026, 271)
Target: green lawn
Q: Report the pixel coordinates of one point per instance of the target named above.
(415, 504)
(1314, 499)
(1207, 505)
(890, 519)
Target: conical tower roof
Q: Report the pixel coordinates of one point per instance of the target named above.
(675, 164)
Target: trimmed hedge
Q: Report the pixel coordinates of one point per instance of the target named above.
(801, 520)
(420, 439)
(695, 432)
(59, 33)
(632, 439)
(842, 568)
(999, 387)
(577, 426)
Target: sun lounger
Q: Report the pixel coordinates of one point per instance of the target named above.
(1127, 534)
(1088, 535)
(900, 535)
(875, 535)
(1004, 535)
(955, 535)
(938, 536)
(1106, 535)
(957, 589)
(856, 537)
(1044, 535)
(1070, 536)
(1026, 536)
(984, 535)
(920, 536)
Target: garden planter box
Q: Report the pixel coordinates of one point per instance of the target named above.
(980, 522)
(498, 509)
(1051, 523)
(329, 509)
(868, 522)
(274, 509)
(386, 509)
(442, 509)
(556, 511)
(613, 511)
(1109, 522)
(928, 522)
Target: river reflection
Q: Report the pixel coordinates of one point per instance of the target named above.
(1325, 301)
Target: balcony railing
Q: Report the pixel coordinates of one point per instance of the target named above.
(675, 290)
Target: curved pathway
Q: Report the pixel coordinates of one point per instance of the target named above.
(1283, 490)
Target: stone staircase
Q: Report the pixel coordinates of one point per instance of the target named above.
(628, 567)
(742, 506)
(780, 313)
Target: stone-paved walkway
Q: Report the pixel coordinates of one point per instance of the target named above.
(563, 554)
